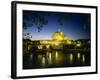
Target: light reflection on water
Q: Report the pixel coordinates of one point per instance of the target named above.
(78, 55)
(57, 59)
(83, 58)
(71, 57)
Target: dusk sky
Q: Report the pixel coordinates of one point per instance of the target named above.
(74, 25)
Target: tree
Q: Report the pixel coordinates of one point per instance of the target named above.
(34, 18)
(27, 36)
(62, 19)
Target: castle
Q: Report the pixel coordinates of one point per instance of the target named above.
(58, 40)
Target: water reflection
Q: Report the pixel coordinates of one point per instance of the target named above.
(83, 58)
(49, 58)
(56, 55)
(56, 59)
(43, 61)
(78, 56)
(71, 57)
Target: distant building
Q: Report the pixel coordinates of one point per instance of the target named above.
(58, 40)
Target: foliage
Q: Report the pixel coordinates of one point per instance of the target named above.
(40, 20)
(27, 36)
(62, 19)
(34, 19)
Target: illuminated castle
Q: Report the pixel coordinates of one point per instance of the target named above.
(58, 40)
(58, 36)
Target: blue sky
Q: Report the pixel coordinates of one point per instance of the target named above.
(74, 25)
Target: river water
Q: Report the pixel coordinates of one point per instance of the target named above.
(56, 58)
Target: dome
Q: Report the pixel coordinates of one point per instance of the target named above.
(59, 36)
